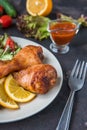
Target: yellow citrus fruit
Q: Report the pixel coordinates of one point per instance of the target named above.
(16, 92)
(5, 100)
(2, 80)
(39, 7)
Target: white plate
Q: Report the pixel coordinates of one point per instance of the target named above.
(41, 101)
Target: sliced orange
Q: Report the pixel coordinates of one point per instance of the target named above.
(16, 92)
(39, 7)
(5, 100)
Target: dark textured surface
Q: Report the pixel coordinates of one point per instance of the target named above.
(71, 7)
(49, 117)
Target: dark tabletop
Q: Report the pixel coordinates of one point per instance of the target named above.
(48, 118)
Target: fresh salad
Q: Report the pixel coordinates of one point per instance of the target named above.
(33, 26)
(8, 47)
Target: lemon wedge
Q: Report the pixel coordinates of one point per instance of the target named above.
(5, 100)
(16, 92)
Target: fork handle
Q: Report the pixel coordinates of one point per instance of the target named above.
(66, 115)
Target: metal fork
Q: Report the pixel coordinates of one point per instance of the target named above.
(76, 82)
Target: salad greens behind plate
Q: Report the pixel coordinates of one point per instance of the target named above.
(8, 47)
(33, 26)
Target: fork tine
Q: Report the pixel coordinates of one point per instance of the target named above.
(84, 72)
(74, 68)
(81, 69)
(77, 69)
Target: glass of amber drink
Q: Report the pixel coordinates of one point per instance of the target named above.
(61, 34)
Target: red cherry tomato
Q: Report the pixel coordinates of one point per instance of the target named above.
(10, 43)
(5, 21)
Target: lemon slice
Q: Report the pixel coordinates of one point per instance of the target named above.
(39, 7)
(2, 80)
(16, 92)
(5, 100)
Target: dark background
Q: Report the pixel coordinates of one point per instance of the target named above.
(71, 7)
(49, 117)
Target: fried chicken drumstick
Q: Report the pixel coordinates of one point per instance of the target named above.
(28, 56)
(38, 79)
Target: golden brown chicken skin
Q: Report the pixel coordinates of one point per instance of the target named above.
(38, 78)
(27, 56)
